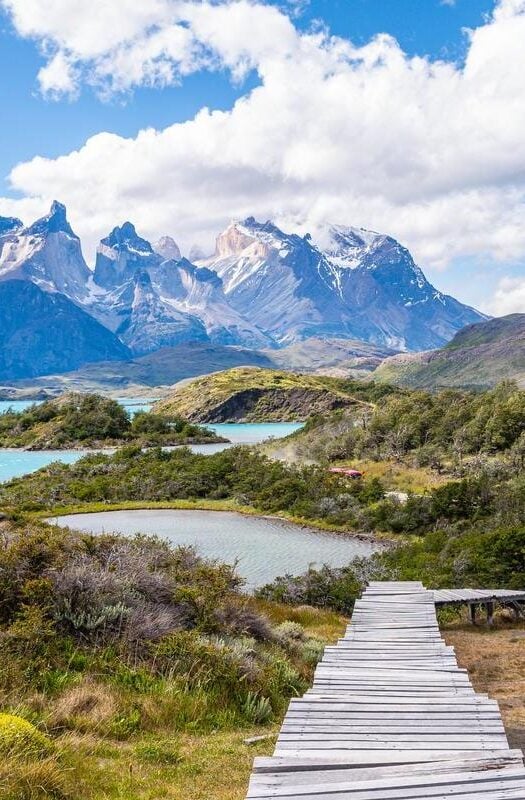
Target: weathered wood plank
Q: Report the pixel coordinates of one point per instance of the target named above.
(391, 716)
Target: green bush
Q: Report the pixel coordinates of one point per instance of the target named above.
(19, 737)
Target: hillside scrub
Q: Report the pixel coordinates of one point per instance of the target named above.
(494, 559)
(439, 429)
(260, 395)
(89, 420)
(120, 639)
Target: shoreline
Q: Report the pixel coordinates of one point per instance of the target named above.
(213, 506)
(112, 447)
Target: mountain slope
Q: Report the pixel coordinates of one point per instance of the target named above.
(43, 333)
(46, 253)
(357, 284)
(253, 394)
(479, 356)
(154, 298)
(338, 357)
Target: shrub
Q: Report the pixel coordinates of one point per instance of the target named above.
(19, 737)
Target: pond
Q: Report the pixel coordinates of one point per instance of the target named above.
(262, 547)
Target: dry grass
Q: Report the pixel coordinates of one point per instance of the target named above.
(495, 660)
(214, 766)
(83, 708)
(322, 623)
(400, 477)
(27, 779)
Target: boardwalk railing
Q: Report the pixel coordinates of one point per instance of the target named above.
(391, 716)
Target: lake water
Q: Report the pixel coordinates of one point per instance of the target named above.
(262, 547)
(132, 404)
(14, 463)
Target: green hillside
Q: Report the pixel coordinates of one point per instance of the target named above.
(256, 395)
(479, 357)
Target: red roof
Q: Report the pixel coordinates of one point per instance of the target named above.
(350, 473)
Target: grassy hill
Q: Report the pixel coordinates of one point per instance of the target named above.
(152, 375)
(256, 395)
(478, 357)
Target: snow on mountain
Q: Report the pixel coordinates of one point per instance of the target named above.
(261, 288)
(47, 253)
(144, 283)
(279, 280)
(353, 284)
(152, 323)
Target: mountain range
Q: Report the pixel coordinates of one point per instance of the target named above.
(261, 289)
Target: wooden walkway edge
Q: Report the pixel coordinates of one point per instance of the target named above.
(391, 716)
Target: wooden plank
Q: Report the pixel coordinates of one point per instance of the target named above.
(391, 716)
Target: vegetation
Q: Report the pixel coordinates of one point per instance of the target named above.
(436, 430)
(90, 420)
(238, 475)
(477, 442)
(479, 356)
(443, 559)
(258, 395)
(129, 666)
(126, 643)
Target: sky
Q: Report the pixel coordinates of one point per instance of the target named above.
(404, 116)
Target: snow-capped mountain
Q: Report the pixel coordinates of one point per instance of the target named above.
(353, 284)
(261, 288)
(47, 253)
(152, 299)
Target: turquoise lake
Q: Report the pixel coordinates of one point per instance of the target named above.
(14, 463)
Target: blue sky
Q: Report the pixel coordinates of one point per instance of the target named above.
(40, 127)
(462, 220)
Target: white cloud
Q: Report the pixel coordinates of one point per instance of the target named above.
(509, 297)
(429, 151)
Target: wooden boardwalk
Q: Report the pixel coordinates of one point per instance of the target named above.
(391, 716)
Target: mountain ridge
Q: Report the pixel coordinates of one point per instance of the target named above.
(263, 288)
(43, 332)
(478, 357)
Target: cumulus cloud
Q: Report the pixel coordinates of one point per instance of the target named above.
(430, 151)
(509, 297)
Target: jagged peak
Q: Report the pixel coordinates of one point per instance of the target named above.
(361, 237)
(125, 237)
(53, 222)
(242, 233)
(168, 248)
(10, 225)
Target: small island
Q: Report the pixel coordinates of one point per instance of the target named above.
(77, 420)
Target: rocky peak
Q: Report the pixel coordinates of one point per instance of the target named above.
(256, 240)
(233, 240)
(125, 237)
(10, 225)
(54, 222)
(167, 248)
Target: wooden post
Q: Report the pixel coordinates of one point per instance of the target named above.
(490, 613)
(472, 609)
